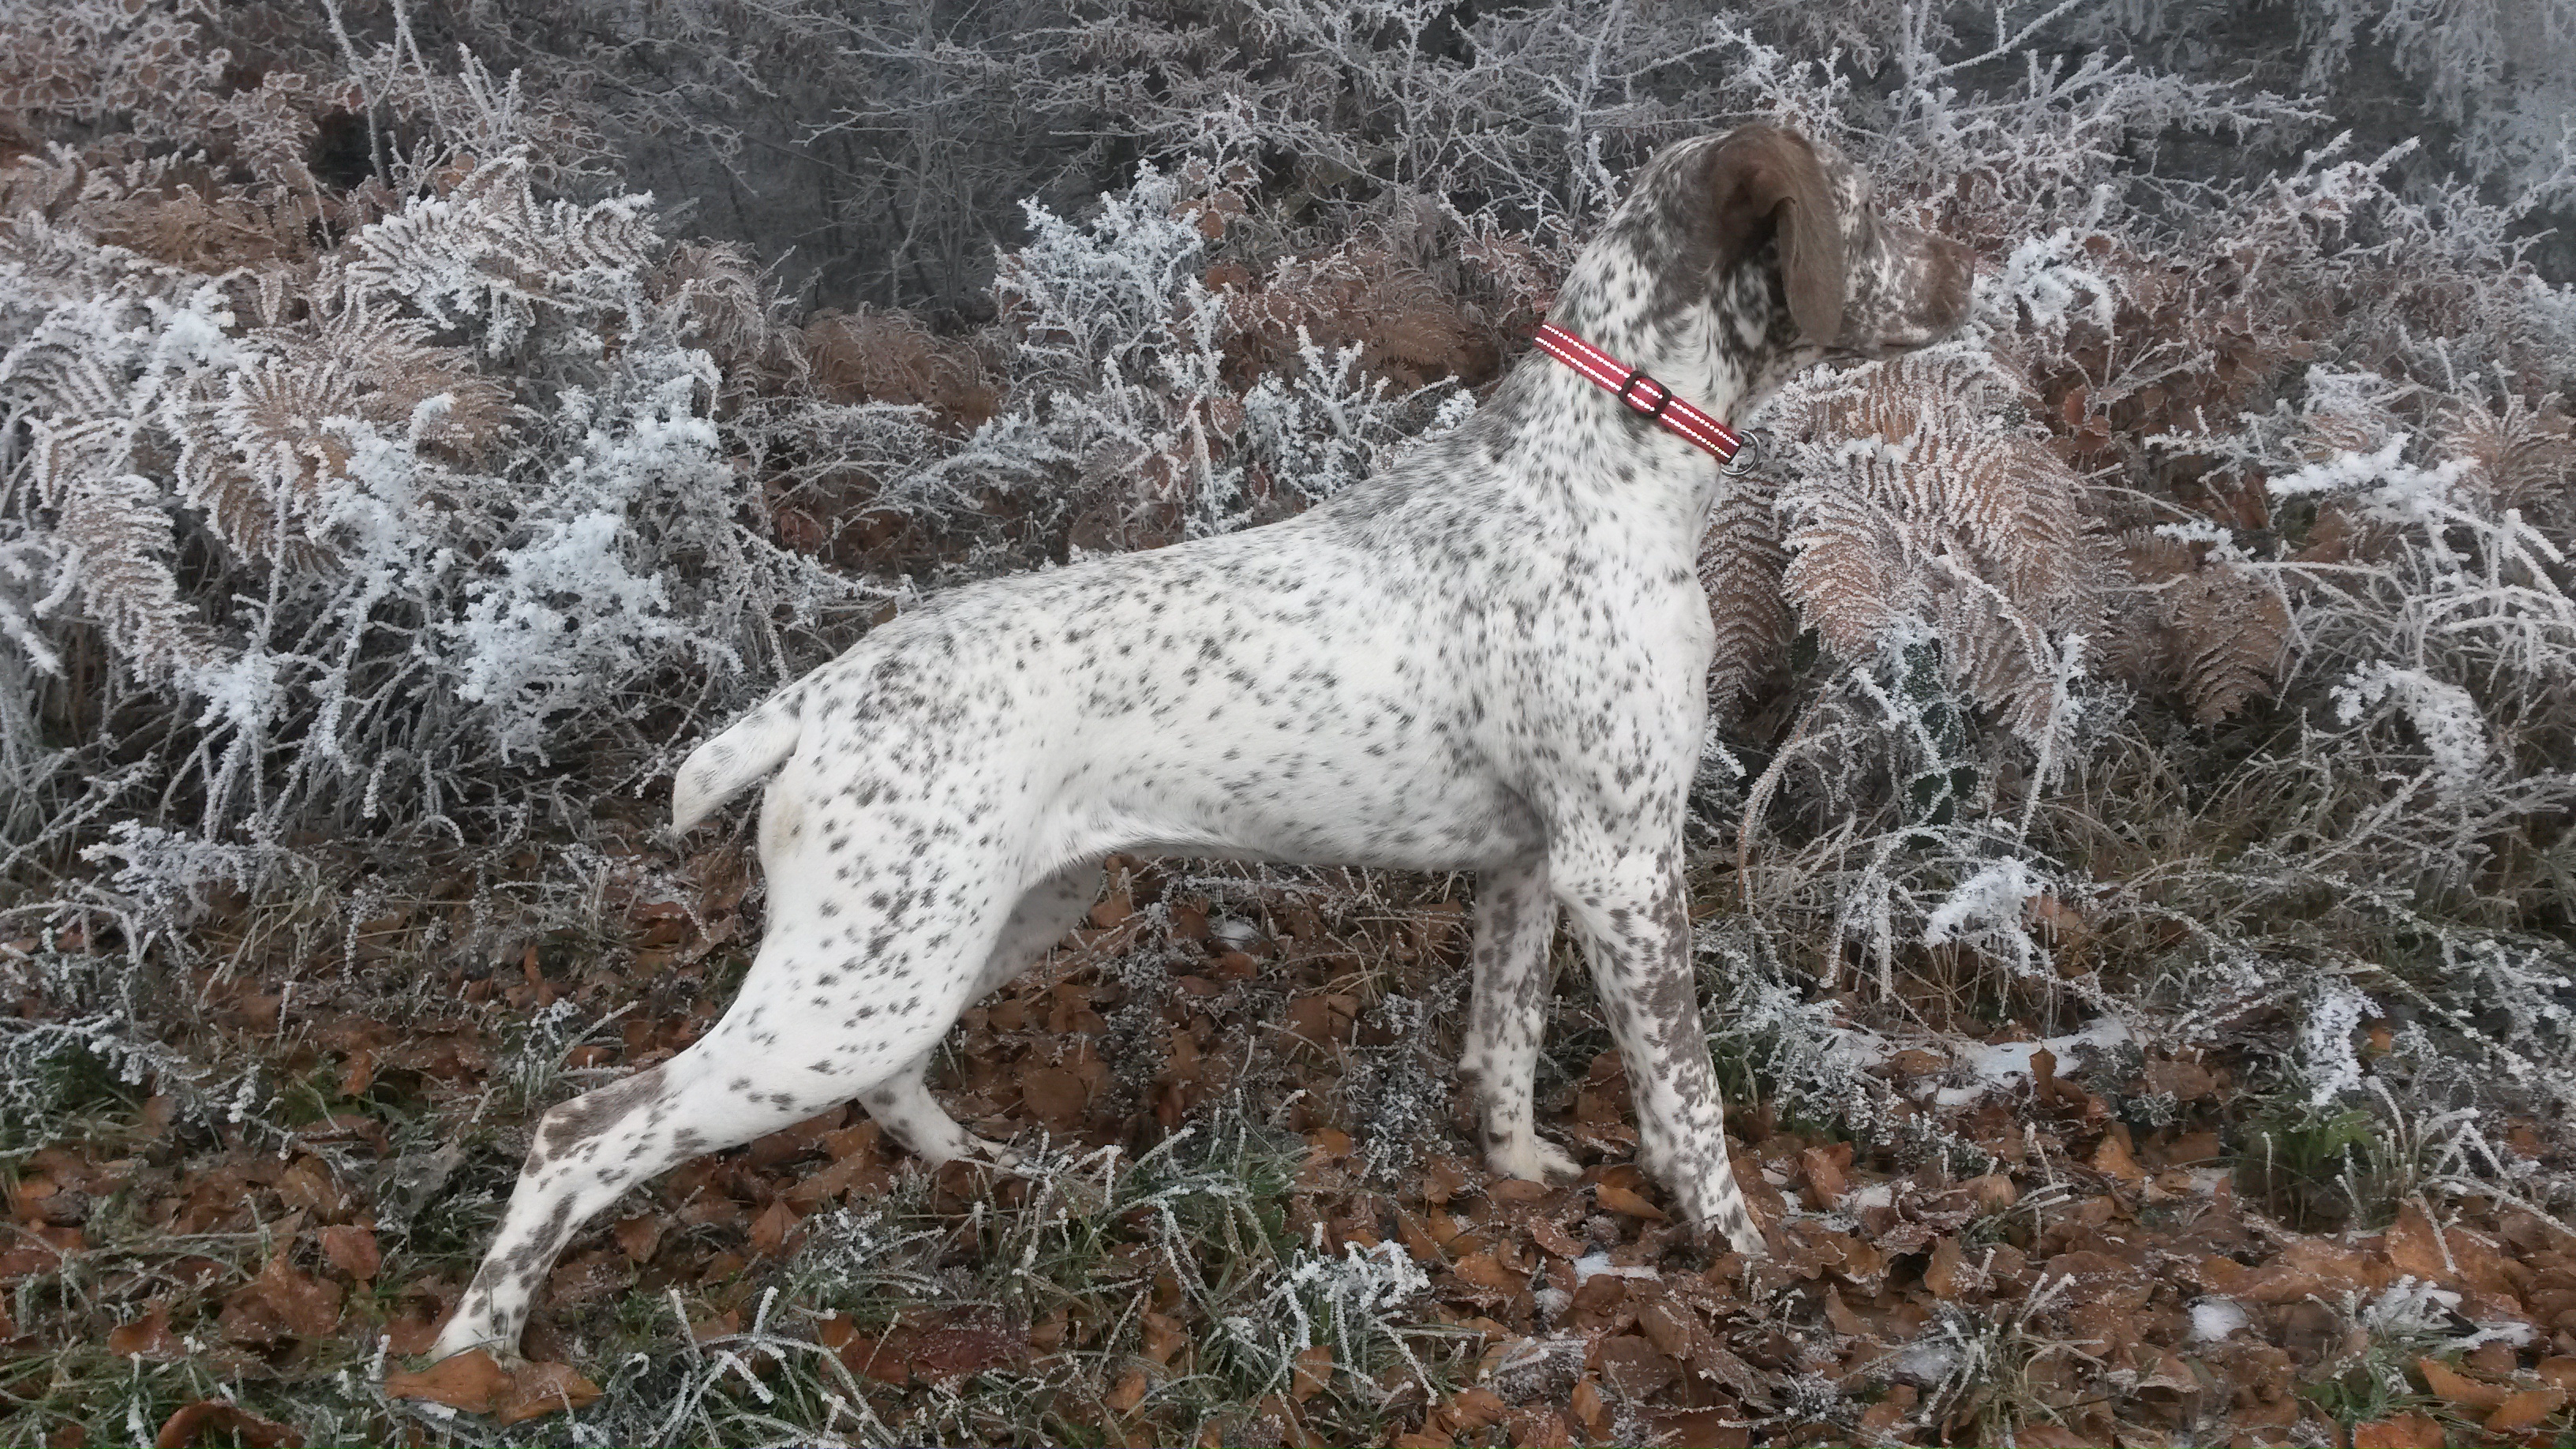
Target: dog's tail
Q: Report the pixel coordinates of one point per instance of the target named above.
(749, 749)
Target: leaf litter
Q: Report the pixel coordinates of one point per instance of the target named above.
(2072, 1277)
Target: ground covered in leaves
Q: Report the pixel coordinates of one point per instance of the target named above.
(1252, 1218)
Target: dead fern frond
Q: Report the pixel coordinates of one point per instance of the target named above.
(873, 356)
(1922, 494)
(2523, 457)
(1848, 570)
(122, 537)
(491, 250)
(1740, 566)
(1416, 289)
(1407, 326)
(176, 210)
(731, 311)
(2197, 625)
(260, 448)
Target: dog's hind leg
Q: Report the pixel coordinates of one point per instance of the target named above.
(903, 1105)
(1515, 925)
(810, 1029)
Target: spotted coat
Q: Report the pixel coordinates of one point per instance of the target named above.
(1488, 657)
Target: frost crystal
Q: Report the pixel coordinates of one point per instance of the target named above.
(2325, 1041)
(2444, 715)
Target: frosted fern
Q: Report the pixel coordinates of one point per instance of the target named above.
(1914, 496)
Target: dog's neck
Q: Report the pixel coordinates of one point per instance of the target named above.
(1612, 300)
(1722, 348)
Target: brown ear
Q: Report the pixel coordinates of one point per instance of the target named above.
(1763, 179)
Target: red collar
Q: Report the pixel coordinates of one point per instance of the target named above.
(1632, 386)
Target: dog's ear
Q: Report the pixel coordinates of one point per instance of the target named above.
(1763, 179)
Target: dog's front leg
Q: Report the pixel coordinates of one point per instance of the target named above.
(1515, 924)
(1630, 910)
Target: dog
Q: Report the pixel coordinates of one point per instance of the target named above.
(1487, 657)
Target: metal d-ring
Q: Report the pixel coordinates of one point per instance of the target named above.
(1752, 444)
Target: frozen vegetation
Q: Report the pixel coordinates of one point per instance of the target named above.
(2135, 837)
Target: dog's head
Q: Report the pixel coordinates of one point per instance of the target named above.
(1777, 236)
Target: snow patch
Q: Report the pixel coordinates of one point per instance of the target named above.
(1594, 1265)
(2214, 1318)
(2007, 1064)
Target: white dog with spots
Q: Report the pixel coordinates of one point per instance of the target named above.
(1488, 657)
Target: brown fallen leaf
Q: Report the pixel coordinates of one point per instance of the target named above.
(1941, 1276)
(470, 1381)
(2186, 1081)
(850, 1173)
(282, 1302)
(149, 1336)
(353, 1251)
(965, 1343)
(1839, 1316)
(1312, 1371)
(2043, 1074)
(770, 1231)
(835, 1331)
(2194, 1149)
(1992, 1193)
(1127, 1393)
(217, 1422)
(1164, 1337)
(1054, 1096)
(1481, 1270)
(943, 1344)
(1618, 1199)
(1469, 1410)
(2398, 1431)
(2114, 1160)
(2308, 1267)
(1826, 1182)
(538, 1389)
(2453, 1387)
(638, 1236)
(2415, 1248)
(474, 1382)
(1634, 1368)
(2524, 1409)
(1589, 1410)
(1555, 1241)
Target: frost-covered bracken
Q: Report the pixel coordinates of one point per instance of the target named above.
(389, 492)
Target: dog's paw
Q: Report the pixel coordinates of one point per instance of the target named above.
(1723, 1222)
(1739, 1236)
(959, 1145)
(1533, 1158)
(465, 1337)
